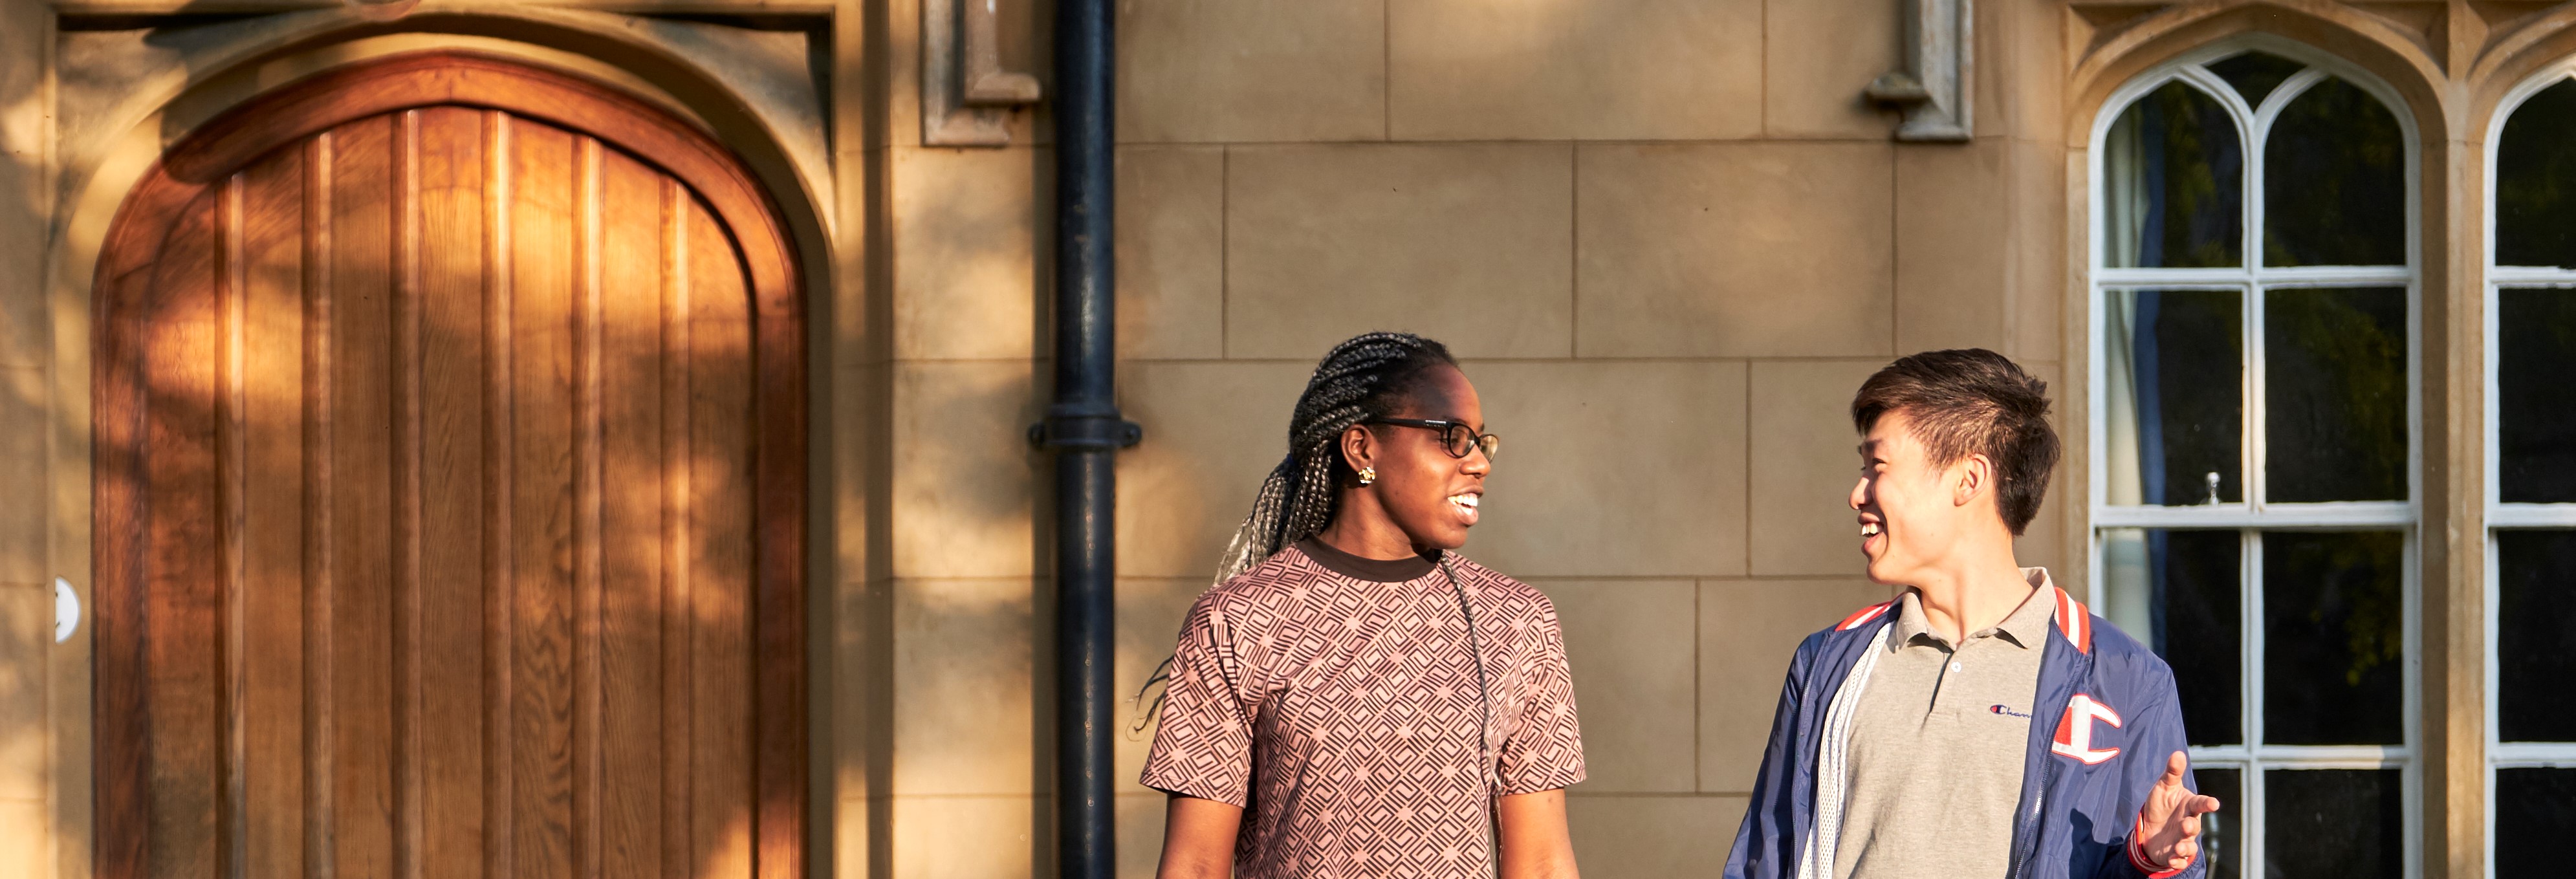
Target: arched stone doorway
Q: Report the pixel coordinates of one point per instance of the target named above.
(450, 473)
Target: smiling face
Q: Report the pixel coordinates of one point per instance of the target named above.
(1431, 496)
(1911, 512)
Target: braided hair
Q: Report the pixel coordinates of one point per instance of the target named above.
(1364, 378)
(1361, 379)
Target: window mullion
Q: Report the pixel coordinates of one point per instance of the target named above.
(2250, 593)
(2252, 838)
(2256, 449)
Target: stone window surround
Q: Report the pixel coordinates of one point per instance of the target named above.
(2453, 84)
(2500, 515)
(2254, 757)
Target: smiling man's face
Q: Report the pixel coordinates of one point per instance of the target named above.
(1910, 511)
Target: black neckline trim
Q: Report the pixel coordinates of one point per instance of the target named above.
(1368, 569)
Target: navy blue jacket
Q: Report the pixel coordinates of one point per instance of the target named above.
(2103, 724)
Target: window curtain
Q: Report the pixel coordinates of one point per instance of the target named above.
(2132, 209)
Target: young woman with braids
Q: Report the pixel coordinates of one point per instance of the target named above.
(1352, 698)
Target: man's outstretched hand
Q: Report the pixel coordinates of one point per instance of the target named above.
(2169, 826)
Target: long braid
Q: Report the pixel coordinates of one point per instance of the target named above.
(1363, 378)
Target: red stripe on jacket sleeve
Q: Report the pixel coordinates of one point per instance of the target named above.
(2138, 852)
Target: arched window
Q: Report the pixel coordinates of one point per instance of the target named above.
(2254, 282)
(2531, 478)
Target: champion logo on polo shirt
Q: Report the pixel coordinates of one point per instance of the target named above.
(2006, 710)
(2075, 730)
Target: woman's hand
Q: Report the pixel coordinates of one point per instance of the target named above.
(1535, 845)
(1198, 839)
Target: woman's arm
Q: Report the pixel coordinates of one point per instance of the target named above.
(1198, 839)
(1535, 845)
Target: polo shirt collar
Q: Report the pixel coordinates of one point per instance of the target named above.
(2025, 627)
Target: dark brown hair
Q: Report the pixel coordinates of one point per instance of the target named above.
(1971, 401)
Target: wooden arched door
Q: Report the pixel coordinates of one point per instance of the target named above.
(449, 486)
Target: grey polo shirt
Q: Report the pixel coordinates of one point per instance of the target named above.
(1937, 744)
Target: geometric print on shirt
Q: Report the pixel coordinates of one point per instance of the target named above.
(1343, 716)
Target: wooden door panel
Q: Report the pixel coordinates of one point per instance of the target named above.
(440, 552)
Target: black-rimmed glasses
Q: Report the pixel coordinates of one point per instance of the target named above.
(1455, 437)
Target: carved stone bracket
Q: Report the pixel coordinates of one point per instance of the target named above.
(966, 96)
(1935, 88)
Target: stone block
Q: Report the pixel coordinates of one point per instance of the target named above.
(1733, 250)
(966, 486)
(1558, 70)
(1613, 469)
(857, 689)
(1652, 837)
(966, 714)
(1150, 613)
(1747, 629)
(1171, 252)
(26, 325)
(1467, 243)
(23, 425)
(858, 473)
(968, 225)
(1251, 70)
(2041, 294)
(28, 837)
(1140, 834)
(1213, 431)
(1633, 648)
(1803, 466)
(2021, 50)
(1821, 54)
(26, 631)
(1955, 237)
(966, 837)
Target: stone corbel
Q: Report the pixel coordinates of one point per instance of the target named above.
(966, 96)
(1939, 78)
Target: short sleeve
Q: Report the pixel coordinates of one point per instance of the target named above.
(1203, 748)
(1545, 750)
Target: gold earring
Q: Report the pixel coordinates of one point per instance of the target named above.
(1368, 475)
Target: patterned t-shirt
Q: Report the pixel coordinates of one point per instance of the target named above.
(1343, 714)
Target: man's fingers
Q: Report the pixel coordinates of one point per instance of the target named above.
(2183, 852)
(2174, 767)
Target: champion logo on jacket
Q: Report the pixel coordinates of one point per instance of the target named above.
(2075, 730)
(2104, 718)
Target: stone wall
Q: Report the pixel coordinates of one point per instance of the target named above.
(1668, 239)
(1667, 236)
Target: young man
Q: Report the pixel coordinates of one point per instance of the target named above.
(1983, 724)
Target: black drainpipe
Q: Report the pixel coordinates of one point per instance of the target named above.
(1084, 431)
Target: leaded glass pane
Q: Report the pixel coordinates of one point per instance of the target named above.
(2535, 816)
(2334, 824)
(2255, 74)
(2535, 401)
(2335, 394)
(2219, 834)
(2535, 181)
(2173, 183)
(2176, 397)
(2334, 181)
(2535, 643)
(2180, 591)
(2334, 637)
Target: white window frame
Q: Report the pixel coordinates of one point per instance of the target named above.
(2503, 516)
(2253, 515)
